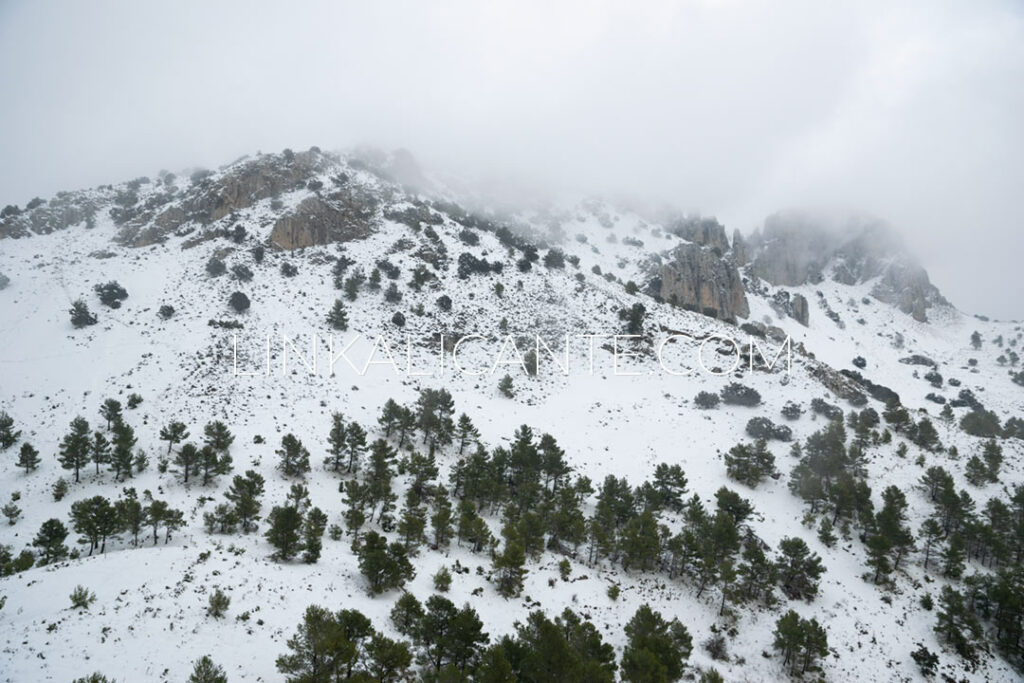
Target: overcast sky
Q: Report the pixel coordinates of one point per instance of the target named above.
(909, 111)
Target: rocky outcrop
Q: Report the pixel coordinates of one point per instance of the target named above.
(315, 221)
(799, 310)
(706, 232)
(796, 249)
(740, 255)
(699, 279)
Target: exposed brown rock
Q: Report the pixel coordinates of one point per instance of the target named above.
(316, 221)
(698, 279)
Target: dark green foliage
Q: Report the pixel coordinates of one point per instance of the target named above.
(284, 532)
(956, 625)
(28, 457)
(338, 317)
(82, 597)
(294, 456)
(566, 649)
(312, 535)
(215, 267)
(111, 294)
(244, 493)
(218, 603)
(80, 314)
(750, 464)
(8, 434)
(740, 395)
(656, 650)
(173, 433)
(705, 400)
(239, 302)
(50, 541)
(385, 566)
(506, 388)
(798, 569)
(206, 671)
(75, 447)
(802, 642)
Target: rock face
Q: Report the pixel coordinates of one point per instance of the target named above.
(739, 249)
(796, 249)
(706, 232)
(315, 221)
(799, 310)
(699, 279)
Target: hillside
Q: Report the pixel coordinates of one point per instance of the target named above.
(296, 232)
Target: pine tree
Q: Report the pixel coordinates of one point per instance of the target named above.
(953, 556)
(956, 625)
(173, 433)
(412, 523)
(510, 569)
(406, 615)
(654, 646)
(338, 317)
(337, 441)
(389, 660)
(384, 566)
(466, 432)
(319, 650)
(441, 520)
(244, 493)
(750, 465)
(111, 411)
(294, 456)
(50, 541)
(96, 520)
(100, 450)
(75, 447)
(123, 442)
(355, 504)
(284, 532)
(506, 387)
(188, 459)
(213, 463)
(80, 314)
(355, 445)
(28, 457)
(8, 435)
(993, 456)
(389, 416)
(218, 603)
(799, 569)
(313, 528)
(802, 642)
(130, 514)
(406, 424)
(930, 533)
(205, 671)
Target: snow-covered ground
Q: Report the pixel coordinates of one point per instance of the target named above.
(149, 620)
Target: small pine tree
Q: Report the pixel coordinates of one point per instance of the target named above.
(76, 447)
(285, 531)
(442, 580)
(12, 512)
(506, 387)
(28, 457)
(8, 435)
(312, 535)
(50, 541)
(294, 456)
(338, 317)
(80, 314)
(82, 597)
(205, 671)
(218, 603)
(60, 489)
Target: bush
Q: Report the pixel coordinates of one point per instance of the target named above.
(241, 272)
(288, 269)
(219, 603)
(166, 311)
(111, 294)
(81, 316)
(981, 423)
(398, 319)
(554, 259)
(821, 407)
(444, 302)
(860, 362)
(705, 400)
(442, 580)
(792, 411)
(258, 252)
(741, 395)
(82, 597)
(469, 237)
(239, 302)
(215, 267)
(763, 428)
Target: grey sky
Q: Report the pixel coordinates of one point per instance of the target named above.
(909, 111)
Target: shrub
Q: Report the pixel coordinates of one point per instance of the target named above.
(442, 580)
(860, 362)
(81, 316)
(219, 603)
(792, 411)
(215, 267)
(705, 400)
(166, 311)
(741, 395)
(241, 272)
(82, 597)
(763, 428)
(821, 407)
(398, 319)
(111, 294)
(288, 269)
(239, 301)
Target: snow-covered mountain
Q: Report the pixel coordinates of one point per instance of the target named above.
(418, 266)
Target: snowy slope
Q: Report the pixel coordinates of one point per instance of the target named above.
(149, 621)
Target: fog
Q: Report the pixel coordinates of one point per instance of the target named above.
(908, 111)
